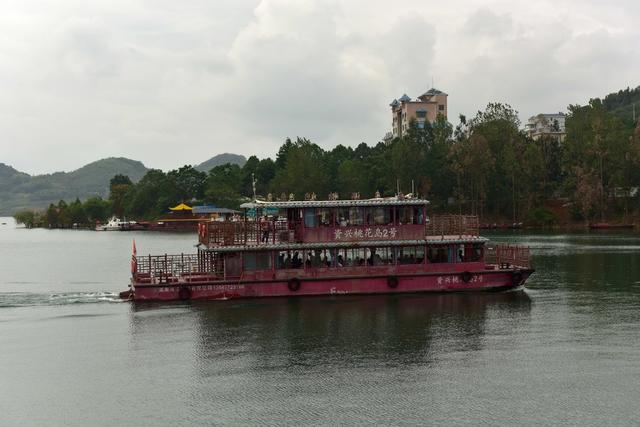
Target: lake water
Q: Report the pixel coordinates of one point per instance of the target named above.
(565, 352)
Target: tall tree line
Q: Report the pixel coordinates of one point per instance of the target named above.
(486, 166)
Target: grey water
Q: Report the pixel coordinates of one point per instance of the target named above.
(565, 351)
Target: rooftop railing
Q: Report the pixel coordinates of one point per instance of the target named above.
(249, 233)
(453, 225)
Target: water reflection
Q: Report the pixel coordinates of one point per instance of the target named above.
(394, 329)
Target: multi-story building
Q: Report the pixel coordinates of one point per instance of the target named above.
(550, 125)
(424, 108)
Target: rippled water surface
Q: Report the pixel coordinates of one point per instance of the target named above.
(565, 352)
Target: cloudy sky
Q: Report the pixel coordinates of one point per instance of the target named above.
(176, 82)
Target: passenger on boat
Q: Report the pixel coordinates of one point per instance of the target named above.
(296, 262)
(265, 229)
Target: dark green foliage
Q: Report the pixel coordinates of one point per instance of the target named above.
(541, 217)
(223, 185)
(29, 218)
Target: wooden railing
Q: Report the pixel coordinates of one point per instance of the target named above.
(177, 265)
(453, 225)
(250, 233)
(508, 256)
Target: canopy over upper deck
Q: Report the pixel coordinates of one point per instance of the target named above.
(380, 201)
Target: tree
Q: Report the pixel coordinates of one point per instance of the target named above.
(303, 170)
(119, 185)
(151, 196)
(188, 183)
(223, 185)
(96, 209)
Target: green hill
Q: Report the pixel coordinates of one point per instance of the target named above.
(221, 159)
(19, 190)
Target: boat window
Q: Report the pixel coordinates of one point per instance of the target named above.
(342, 218)
(351, 257)
(380, 215)
(256, 261)
(410, 215)
(325, 217)
(310, 219)
(473, 252)
(356, 216)
(289, 259)
(436, 254)
(318, 258)
(410, 255)
(380, 256)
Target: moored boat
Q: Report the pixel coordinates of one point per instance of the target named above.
(116, 224)
(332, 247)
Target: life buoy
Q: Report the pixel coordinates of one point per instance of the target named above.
(392, 282)
(466, 276)
(293, 284)
(184, 293)
(516, 277)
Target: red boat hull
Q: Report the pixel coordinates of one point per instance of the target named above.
(451, 281)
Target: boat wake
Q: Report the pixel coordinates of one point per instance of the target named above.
(26, 299)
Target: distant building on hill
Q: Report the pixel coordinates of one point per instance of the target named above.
(424, 108)
(550, 125)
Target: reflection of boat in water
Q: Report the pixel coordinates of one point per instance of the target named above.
(332, 247)
(394, 328)
(116, 224)
(608, 226)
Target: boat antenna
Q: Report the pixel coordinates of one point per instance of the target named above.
(413, 189)
(253, 185)
(397, 187)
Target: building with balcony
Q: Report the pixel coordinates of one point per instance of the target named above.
(425, 108)
(547, 125)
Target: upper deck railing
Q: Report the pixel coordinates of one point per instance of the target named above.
(453, 225)
(272, 232)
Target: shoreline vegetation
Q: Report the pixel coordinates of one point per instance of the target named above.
(486, 166)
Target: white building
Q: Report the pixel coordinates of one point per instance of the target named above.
(552, 125)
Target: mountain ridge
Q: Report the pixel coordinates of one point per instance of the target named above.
(20, 190)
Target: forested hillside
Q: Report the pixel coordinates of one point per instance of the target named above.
(19, 190)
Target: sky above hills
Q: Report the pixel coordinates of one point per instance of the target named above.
(171, 82)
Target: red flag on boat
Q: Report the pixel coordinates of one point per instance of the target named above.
(134, 260)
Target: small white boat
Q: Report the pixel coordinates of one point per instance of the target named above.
(115, 224)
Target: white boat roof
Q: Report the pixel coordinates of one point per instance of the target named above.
(381, 201)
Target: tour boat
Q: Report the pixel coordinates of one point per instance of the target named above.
(332, 247)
